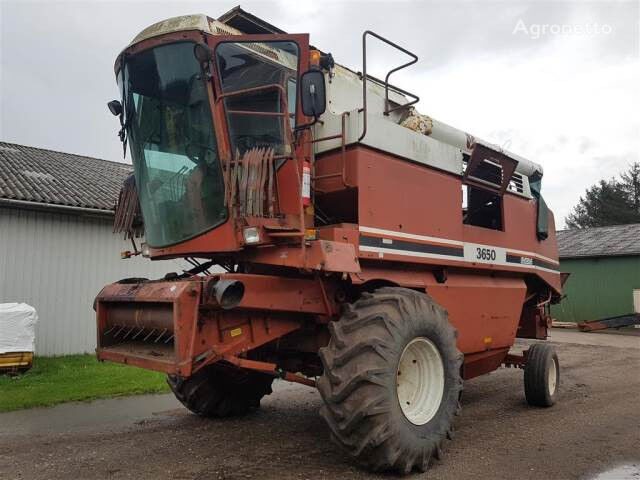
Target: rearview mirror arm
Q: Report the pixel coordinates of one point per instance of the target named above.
(304, 126)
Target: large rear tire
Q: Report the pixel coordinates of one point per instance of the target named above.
(391, 383)
(221, 390)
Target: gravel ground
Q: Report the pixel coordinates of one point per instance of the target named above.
(594, 428)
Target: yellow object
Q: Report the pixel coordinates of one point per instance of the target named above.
(235, 332)
(310, 234)
(314, 57)
(487, 340)
(16, 360)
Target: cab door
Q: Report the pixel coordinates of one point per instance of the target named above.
(256, 100)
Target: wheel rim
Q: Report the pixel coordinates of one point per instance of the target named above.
(553, 377)
(420, 380)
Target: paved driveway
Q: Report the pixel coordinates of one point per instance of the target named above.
(594, 428)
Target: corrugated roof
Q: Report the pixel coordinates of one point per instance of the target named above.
(44, 176)
(600, 241)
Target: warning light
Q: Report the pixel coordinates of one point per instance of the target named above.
(314, 57)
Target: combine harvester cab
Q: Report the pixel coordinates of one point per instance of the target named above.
(361, 248)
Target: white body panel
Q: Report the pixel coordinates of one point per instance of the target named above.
(389, 137)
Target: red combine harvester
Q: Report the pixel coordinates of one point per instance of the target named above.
(370, 251)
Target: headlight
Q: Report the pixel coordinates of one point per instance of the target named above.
(251, 235)
(144, 249)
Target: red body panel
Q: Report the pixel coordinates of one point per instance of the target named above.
(403, 198)
(485, 310)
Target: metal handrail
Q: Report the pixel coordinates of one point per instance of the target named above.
(343, 150)
(284, 105)
(365, 77)
(270, 86)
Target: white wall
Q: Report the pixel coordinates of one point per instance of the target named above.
(58, 263)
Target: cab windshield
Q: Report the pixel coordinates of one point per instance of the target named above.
(259, 90)
(173, 144)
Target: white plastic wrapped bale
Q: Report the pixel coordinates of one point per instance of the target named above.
(17, 327)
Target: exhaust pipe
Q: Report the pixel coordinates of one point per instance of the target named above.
(228, 293)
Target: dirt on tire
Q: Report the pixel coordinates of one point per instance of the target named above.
(358, 387)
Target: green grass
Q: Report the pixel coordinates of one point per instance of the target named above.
(70, 378)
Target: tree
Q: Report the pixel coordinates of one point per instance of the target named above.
(612, 202)
(631, 186)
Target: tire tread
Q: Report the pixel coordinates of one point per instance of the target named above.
(220, 390)
(357, 362)
(535, 375)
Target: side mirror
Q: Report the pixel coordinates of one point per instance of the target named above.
(204, 55)
(313, 95)
(202, 52)
(115, 107)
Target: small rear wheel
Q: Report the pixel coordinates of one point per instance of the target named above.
(221, 390)
(541, 375)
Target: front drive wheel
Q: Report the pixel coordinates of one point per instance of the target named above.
(221, 390)
(391, 383)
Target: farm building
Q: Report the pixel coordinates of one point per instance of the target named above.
(604, 263)
(57, 249)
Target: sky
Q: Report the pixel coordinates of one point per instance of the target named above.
(555, 82)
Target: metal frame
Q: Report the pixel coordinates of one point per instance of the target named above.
(366, 77)
(611, 322)
(343, 152)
